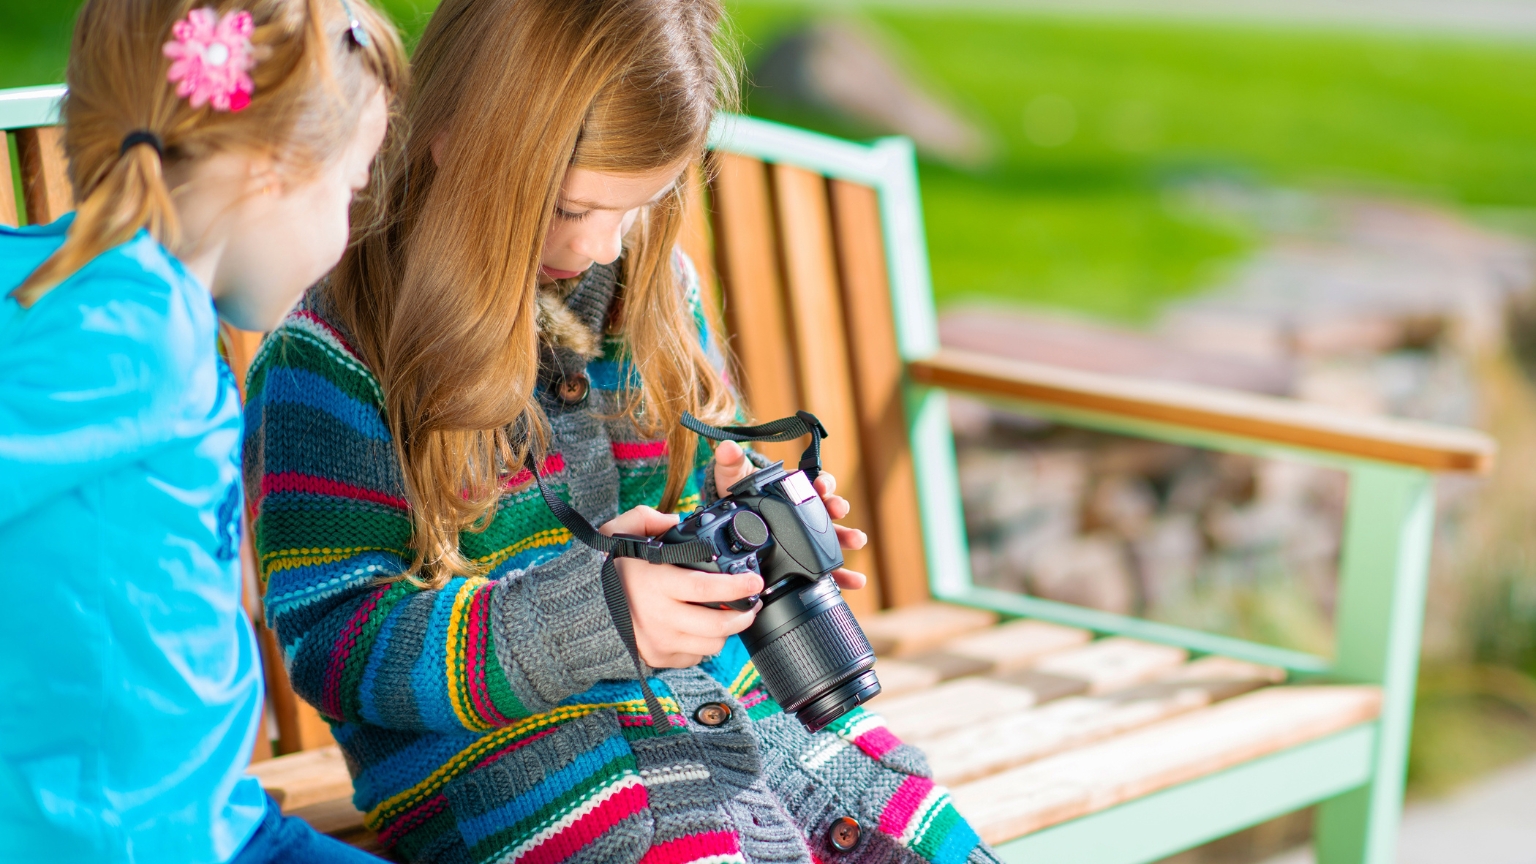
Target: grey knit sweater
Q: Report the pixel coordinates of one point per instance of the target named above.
(498, 718)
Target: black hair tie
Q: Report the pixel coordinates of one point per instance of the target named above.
(141, 136)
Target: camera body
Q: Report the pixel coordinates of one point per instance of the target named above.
(811, 653)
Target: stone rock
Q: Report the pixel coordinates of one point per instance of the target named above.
(1090, 571)
(1122, 503)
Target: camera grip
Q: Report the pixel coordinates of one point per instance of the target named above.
(745, 604)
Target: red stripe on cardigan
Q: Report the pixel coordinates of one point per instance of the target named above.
(899, 810)
(554, 463)
(639, 450)
(579, 834)
(477, 653)
(341, 649)
(877, 742)
(293, 481)
(693, 847)
(412, 819)
(336, 334)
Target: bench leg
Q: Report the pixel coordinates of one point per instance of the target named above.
(1383, 573)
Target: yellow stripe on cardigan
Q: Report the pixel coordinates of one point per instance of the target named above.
(744, 680)
(547, 537)
(493, 741)
(287, 559)
(454, 657)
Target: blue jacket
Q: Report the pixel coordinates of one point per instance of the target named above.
(130, 685)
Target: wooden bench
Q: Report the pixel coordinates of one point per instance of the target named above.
(1066, 734)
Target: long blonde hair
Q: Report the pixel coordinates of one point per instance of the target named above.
(310, 89)
(442, 302)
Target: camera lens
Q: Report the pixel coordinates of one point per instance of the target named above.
(811, 653)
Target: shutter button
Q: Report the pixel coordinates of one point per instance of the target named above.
(573, 389)
(712, 713)
(844, 834)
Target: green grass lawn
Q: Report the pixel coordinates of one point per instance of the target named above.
(1084, 225)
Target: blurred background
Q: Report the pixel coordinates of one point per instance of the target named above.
(1334, 201)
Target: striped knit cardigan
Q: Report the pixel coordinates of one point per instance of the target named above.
(497, 718)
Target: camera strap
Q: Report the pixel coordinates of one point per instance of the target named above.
(622, 546)
(784, 429)
(656, 552)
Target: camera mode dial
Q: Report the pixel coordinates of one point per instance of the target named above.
(747, 531)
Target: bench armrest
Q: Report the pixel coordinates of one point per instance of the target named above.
(1258, 418)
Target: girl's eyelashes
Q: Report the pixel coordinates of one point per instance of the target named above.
(568, 215)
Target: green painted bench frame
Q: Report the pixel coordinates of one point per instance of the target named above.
(1356, 775)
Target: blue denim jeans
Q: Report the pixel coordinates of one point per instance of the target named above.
(283, 839)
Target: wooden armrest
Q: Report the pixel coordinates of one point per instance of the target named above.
(1259, 418)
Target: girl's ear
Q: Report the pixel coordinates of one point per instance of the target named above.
(439, 147)
(263, 175)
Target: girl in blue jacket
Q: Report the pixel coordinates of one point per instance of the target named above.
(214, 152)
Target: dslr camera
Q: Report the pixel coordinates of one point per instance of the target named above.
(812, 655)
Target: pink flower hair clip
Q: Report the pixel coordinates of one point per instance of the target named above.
(211, 59)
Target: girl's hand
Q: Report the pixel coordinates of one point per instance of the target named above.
(670, 631)
(731, 466)
(848, 538)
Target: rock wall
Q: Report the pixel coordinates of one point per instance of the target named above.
(1367, 306)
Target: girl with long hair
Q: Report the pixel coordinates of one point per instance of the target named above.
(214, 148)
(526, 298)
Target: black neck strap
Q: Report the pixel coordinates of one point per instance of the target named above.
(784, 429)
(656, 552)
(622, 546)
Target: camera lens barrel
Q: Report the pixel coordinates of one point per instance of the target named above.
(812, 654)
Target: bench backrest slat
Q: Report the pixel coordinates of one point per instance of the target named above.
(44, 173)
(816, 318)
(8, 212)
(749, 278)
(877, 374)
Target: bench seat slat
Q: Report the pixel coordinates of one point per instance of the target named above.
(1017, 644)
(1001, 740)
(1015, 802)
(305, 778)
(918, 717)
(916, 629)
(1113, 664)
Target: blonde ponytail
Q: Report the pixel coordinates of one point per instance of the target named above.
(131, 196)
(124, 120)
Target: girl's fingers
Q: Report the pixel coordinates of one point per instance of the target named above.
(671, 661)
(826, 484)
(687, 620)
(689, 586)
(640, 520)
(731, 465)
(837, 506)
(849, 580)
(698, 646)
(851, 538)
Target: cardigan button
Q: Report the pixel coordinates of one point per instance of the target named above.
(845, 834)
(712, 713)
(573, 389)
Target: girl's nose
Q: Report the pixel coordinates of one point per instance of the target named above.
(602, 244)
